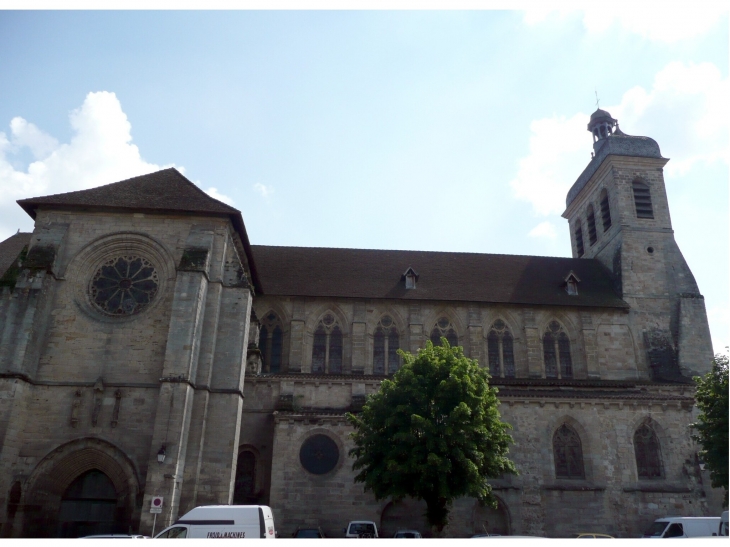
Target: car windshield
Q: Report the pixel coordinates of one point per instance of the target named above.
(362, 527)
(308, 533)
(655, 530)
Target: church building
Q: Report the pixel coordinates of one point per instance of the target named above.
(148, 349)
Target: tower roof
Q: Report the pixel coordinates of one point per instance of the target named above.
(165, 191)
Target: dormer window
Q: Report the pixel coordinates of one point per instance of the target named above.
(571, 284)
(410, 277)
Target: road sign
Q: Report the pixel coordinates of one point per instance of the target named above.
(156, 505)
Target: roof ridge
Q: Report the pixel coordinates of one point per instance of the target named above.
(475, 253)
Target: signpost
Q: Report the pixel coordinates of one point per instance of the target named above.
(155, 508)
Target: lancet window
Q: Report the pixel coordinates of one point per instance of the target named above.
(648, 453)
(556, 351)
(568, 454)
(642, 200)
(385, 347)
(327, 347)
(443, 327)
(500, 351)
(271, 337)
(591, 225)
(579, 239)
(605, 211)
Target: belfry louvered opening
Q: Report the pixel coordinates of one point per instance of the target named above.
(605, 211)
(579, 239)
(642, 199)
(591, 225)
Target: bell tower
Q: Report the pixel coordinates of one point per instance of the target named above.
(618, 214)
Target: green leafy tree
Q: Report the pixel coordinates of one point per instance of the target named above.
(433, 433)
(712, 423)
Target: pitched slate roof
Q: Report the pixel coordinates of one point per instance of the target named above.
(163, 191)
(10, 249)
(467, 277)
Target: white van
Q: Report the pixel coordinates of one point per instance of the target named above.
(223, 521)
(683, 527)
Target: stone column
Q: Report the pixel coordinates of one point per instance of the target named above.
(534, 345)
(359, 337)
(589, 343)
(296, 337)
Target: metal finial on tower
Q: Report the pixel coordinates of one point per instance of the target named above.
(596, 92)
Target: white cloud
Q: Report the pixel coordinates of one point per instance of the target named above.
(544, 229)
(263, 190)
(686, 111)
(100, 152)
(668, 24)
(214, 193)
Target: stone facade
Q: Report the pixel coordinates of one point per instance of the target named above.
(104, 406)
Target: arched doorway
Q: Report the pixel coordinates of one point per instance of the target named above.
(89, 507)
(83, 476)
(244, 490)
(407, 514)
(490, 520)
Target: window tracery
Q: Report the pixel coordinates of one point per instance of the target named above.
(386, 342)
(443, 327)
(500, 350)
(271, 337)
(556, 351)
(568, 453)
(124, 285)
(648, 453)
(327, 346)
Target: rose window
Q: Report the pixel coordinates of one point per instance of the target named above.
(124, 285)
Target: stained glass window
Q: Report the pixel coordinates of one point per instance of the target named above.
(327, 347)
(556, 351)
(319, 454)
(648, 455)
(568, 454)
(124, 285)
(444, 328)
(385, 347)
(271, 341)
(500, 351)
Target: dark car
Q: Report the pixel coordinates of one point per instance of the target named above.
(309, 533)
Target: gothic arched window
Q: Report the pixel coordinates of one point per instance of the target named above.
(579, 239)
(244, 491)
(591, 225)
(327, 347)
(443, 327)
(648, 454)
(385, 347)
(568, 454)
(500, 350)
(642, 200)
(271, 342)
(556, 350)
(605, 211)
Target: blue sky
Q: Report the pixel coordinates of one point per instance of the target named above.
(433, 130)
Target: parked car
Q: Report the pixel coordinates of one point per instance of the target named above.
(591, 535)
(309, 533)
(413, 534)
(683, 527)
(361, 529)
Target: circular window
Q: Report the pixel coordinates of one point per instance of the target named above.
(124, 285)
(319, 454)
